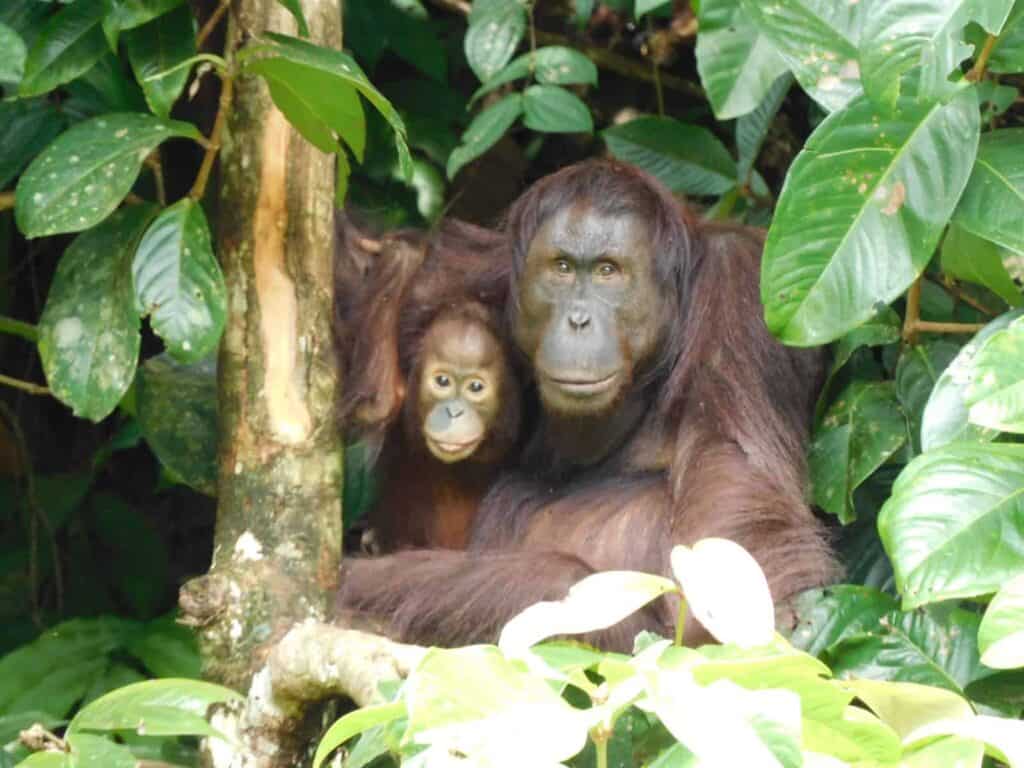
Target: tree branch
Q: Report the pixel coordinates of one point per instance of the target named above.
(224, 104)
(211, 23)
(913, 316)
(27, 331)
(978, 70)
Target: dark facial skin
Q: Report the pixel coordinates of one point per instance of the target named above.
(460, 387)
(590, 312)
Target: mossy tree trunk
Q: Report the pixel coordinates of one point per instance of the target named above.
(278, 539)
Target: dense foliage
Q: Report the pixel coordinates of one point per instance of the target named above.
(881, 141)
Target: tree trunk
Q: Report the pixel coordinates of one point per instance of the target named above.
(277, 546)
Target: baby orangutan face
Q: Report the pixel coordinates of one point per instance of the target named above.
(464, 381)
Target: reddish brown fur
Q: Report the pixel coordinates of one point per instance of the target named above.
(719, 453)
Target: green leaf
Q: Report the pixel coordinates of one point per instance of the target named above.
(862, 429)
(178, 416)
(316, 104)
(485, 130)
(129, 14)
(917, 373)
(70, 43)
(167, 648)
(736, 61)
(178, 282)
(1008, 54)
(954, 526)
(12, 64)
(30, 680)
(644, 7)
(77, 181)
(493, 37)
(47, 760)
(553, 65)
(26, 126)
(945, 417)
(995, 393)
(1004, 738)
(295, 9)
(907, 706)
(355, 723)
(91, 751)
(89, 330)
(993, 202)
(828, 616)
(345, 70)
(963, 753)
(935, 648)
(552, 109)
(903, 34)
(474, 701)
(686, 158)
(159, 46)
(1001, 635)
(966, 256)
(857, 737)
(818, 40)
(598, 601)
(863, 178)
(169, 707)
(752, 128)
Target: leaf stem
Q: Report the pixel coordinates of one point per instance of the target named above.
(24, 386)
(6, 200)
(913, 315)
(154, 164)
(681, 622)
(211, 23)
(601, 747)
(203, 177)
(978, 70)
(14, 327)
(960, 294)
(925, 326)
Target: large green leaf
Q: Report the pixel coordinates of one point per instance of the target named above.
(945, 417)
(12, 64)
(69, 44)
(178, 281)
(828, 616)
(89, 750)
(1008, 54)
(178, 415)
(553, 109)
(736, 61)
(1001, 635)
(929, 647)
(77, 181)
(917, 373)
(818, 39)
(485, 130)
(553, 65)
(903, 34)
(965, 256)
(158, 46)
(26, 126)
(993, 203)
(954, 526)
(89, 330)
(865, 177)
(343, 69)
(493, 37)
(686, 158)
(996, 391)
(862, 429)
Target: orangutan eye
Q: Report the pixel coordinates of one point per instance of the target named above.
(442, 381)
(606, 269)
(476, 386)
(563, 267)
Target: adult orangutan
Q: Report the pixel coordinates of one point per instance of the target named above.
(669, 414)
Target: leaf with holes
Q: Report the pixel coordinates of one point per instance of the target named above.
(157, 47)
(69, 44)
(864, 177)
(552, 109)
(493, 37)
(954, 525)
(818, 40)
(79, 179)
(901, 35)
(965, 256)
(736, 61)
(686, 158)
(179, 283)
(993, 202)
(917, 372)
(553, 65)
(485, 130)
(862, 429)
(89, 330)
(995, 394)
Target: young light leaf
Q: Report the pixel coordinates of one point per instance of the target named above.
(954, 525)
(89, 330)
(1001, 635)
(157, 47)
(996, 392)
(485, 130)
(905, 707)
(69, 44)
(686, 158)
(354, 723)
(726, 591)
(178, 282)
(552, 109)
(1003, 738)
(90, 749)
(993, 202)
(79, 179)
(736, 61)
(864, 177)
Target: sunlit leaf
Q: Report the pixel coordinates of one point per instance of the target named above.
(355, 723)
(1004, 738)
(1001, 635)
(88, 750)
(950, 751)
(995, 393)
(907, 706)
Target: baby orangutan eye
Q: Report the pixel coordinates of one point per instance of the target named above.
(476, 386)
(442, 380)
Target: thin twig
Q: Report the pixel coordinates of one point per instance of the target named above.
(211, 23)
(153, 161)
(925, 326)
(960, 294)
(13, 327)
(978, 70)
(6, 200)
(203, 177)
(24, 386)
(456, 6)
(913, 316)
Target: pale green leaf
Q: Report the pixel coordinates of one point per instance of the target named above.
(1001, 635)
(355, 723)
(992, 206)
(996, 391)
(965, 256)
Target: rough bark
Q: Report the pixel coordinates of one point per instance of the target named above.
(277, 545)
